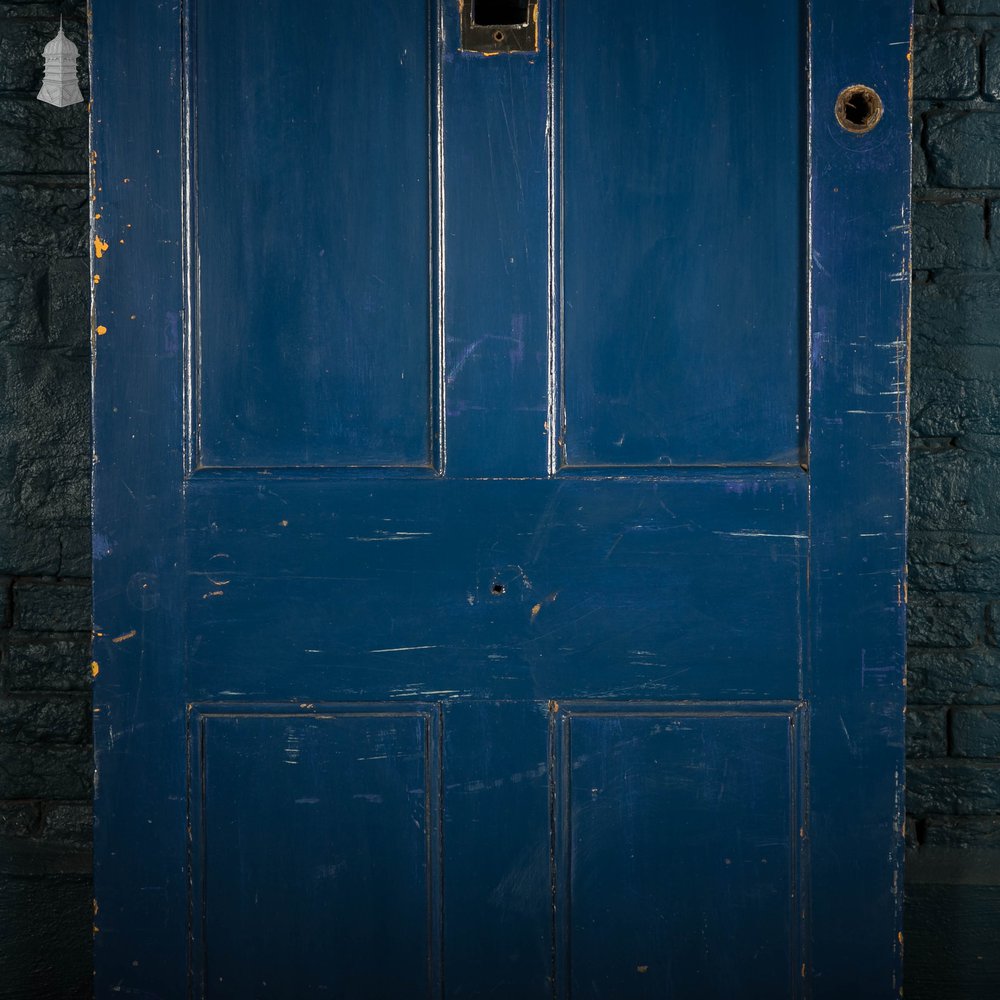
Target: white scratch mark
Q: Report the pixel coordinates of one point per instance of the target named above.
(292, 750)
(756, 534)
(391, 536)
(400, 649)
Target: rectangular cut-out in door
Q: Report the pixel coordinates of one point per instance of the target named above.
(676, 860)
(315, 834)
(682, 168)
(311, 234)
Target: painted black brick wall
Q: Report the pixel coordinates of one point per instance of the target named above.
(953, 732)
(45, 756)
(953, 903)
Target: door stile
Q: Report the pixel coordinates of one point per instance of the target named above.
(138, 314)
(860, 267)
(496, 252)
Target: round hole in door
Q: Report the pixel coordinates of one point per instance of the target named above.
(859, 109)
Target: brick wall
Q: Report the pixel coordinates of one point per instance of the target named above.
(953, 908)
(45, 758)
(954, 692)
(953, 776)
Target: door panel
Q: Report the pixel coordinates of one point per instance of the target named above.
(683, 233)
(499, 501)
(313, 265)
(692, 816)
(354, 796)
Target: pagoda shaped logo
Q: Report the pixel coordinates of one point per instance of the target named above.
(59, 86)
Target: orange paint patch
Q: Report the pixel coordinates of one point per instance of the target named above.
(549, 599)
(99, 247)
(101, 331)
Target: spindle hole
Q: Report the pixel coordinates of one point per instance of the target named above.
(859, 109)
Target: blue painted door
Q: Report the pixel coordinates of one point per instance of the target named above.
(499, 498)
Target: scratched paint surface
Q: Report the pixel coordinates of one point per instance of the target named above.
(293, 864)
(609, 588)
(664, 807)
(399, 691)
(314, 298)
(684, 332)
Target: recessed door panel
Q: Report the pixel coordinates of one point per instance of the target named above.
(311, 195)
(692, 817)
(314, 837)
(683, 191)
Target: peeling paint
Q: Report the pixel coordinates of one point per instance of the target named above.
(548, 599)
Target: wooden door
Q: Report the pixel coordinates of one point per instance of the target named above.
(499, 497)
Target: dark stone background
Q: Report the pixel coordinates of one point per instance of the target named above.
(953, 731)
(45, 757)
(953, 876)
